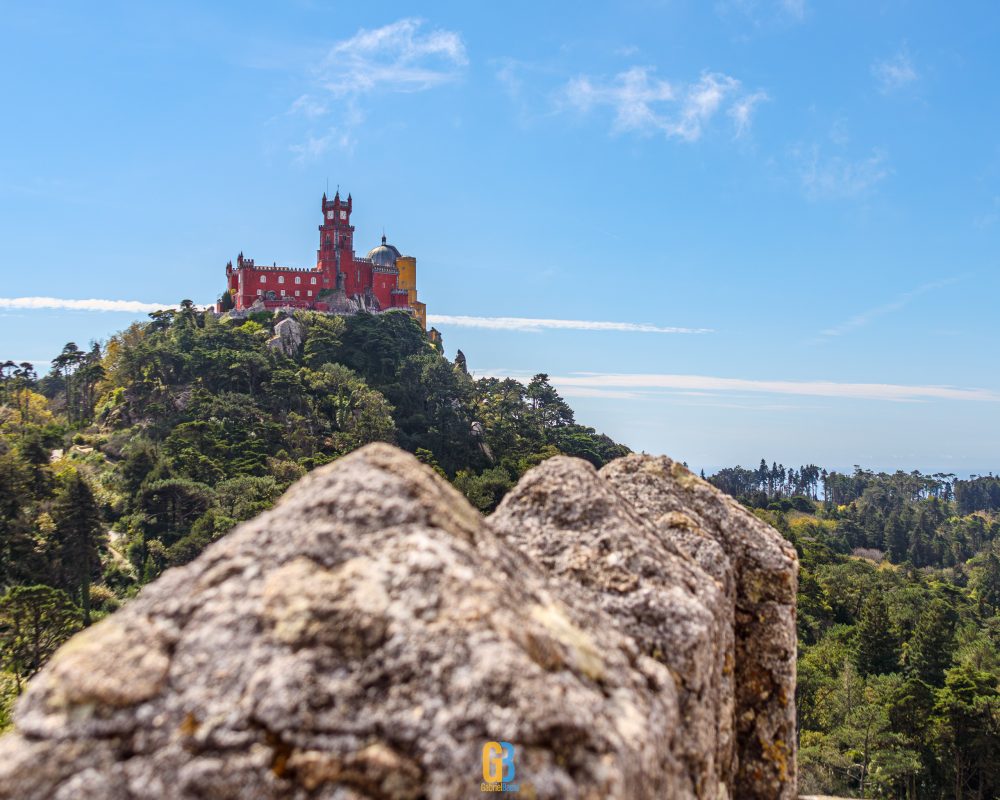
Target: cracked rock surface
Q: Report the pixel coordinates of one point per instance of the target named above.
(369, 634)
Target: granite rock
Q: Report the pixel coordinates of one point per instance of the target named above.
(630, 632)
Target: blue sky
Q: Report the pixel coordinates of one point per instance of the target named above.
(791, 207)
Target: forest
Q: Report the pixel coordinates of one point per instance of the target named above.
(132, 455)
(898, 691)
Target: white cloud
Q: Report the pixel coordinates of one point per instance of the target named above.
(526, 324)
(308, 106)
(653, 383)
(794, 8)
(894, 73)
(397, 57)
(865, 317)
(632, 95)
(742, 111)
(34, 303)
(315, 146)
(643, 103)
(532, 325)
(838, 176)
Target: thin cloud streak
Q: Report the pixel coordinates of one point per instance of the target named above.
(865, 317)
(532, 325)
(857, 391)
(637, 386)
(492, 323)
(39, 303)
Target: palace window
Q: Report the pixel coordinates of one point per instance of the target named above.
(263, 278)
(312, 281)
(260, 291)
(298, 279)
(282, 292)
(309, 293)
(297, 292)
(281, 279)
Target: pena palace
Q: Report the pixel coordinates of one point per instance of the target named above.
(342, 282)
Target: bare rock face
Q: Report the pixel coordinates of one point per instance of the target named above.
(582, 532)
(363, 639)
(761, 569)
(371, 633)
(288, 336)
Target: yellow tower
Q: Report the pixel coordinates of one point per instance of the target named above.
(407, 266)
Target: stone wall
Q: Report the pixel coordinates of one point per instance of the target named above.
(629, 632)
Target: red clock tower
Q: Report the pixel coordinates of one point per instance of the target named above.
(335, 256)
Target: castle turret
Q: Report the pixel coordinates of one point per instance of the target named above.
(336, 252)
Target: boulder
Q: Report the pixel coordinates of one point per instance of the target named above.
(630, 633)
(363, 639)
(760, 569)
(603, 553)
(288, 336)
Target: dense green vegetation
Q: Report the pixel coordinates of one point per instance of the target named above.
(899, 627)
(130, 458)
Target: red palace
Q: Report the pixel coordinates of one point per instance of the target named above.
(340, 283)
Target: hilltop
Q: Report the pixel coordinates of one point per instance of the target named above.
(132, 457)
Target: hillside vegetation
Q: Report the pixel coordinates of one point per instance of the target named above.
(899, 627)
(129, 458)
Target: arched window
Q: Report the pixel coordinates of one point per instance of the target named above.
(298, 279)
(281, 279)
(312, 281)
(263, 278)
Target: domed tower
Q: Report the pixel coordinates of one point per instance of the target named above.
(404, 293)
(385, 255)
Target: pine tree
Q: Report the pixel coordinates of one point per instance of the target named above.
(932, 644)
(34, 620)
(78, 525)
(877, 647)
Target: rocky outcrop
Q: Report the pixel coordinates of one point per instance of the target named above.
(575, 526)
(288, 337)
(758, 570)
(371, 633)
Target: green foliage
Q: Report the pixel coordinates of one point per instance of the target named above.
(188, 424)
(76, 540)
(34, 621)
(899, 666)
(486, 489)
(877, 648)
